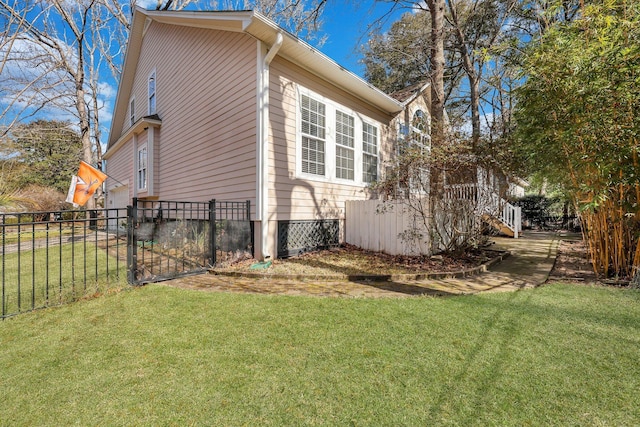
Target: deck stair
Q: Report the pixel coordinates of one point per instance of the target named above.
(490, 207)
(503, 216)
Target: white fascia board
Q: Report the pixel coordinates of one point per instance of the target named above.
(128, 73)
(221, 20)
(415, 95)
(293, 49)
(311, 59)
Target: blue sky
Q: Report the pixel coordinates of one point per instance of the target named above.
(345, 25)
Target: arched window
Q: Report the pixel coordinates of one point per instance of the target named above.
(420, 139)
(420, 131)
(419, 121)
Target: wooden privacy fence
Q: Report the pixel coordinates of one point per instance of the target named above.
(386, 226)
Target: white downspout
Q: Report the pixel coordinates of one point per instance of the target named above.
(262, 199)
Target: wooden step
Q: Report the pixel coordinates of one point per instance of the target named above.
(498, 225)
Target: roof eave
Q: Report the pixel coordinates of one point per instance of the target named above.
(136, 128)
(311, 59)
(126, 77)
(259, 27)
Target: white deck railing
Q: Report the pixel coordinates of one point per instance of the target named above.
(512, 218)
(489, 202)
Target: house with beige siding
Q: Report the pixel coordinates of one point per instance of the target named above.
(229, 106)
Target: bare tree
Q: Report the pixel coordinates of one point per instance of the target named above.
(56, 53)
(436, 10)
(12, 107)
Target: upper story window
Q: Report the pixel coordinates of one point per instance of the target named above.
(152, 93)
(344, 146)
(313, 135)
(369, 153)
(132, 111)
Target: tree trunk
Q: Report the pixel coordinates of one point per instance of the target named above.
(436, 9)
(472, 75)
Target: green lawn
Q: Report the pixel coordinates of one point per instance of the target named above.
(556, 355)
(27, 234)
(43, 277)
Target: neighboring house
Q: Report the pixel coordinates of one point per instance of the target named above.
(229, 106)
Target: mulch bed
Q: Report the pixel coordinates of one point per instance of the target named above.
(572, 263)
(348, 259)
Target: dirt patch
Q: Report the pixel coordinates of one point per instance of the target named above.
(350, 260)
(572, 263)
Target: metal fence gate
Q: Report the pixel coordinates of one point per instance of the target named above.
(168, 239)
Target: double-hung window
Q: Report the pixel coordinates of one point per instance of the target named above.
(142, 167)
(313, 136)
(152, 93)
(344, 146)
(132, 111)
(335, 143)
(369, 153)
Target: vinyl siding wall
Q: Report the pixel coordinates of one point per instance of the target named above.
(294, 196)
(206, 99)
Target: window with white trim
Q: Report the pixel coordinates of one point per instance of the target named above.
(313, 135)
(330, 144)
(152, 92)
(369, 153)
(421, 140)
(142, 167)
(344, 146)
(132, 111)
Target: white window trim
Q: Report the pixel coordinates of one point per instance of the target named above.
(346, 147)
(155, 93)
(377, 154)
(330, 141)
(404, 130)
(142, 147)
(132, 112)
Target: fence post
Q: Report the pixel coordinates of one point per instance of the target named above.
(132, 244)
(212, 231)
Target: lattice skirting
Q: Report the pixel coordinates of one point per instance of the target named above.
(296, 237)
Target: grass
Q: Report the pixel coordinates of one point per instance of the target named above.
(43, 277)
(28, 234)
(556, 355)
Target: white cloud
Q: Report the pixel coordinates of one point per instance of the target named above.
(147, 4)
(106, 90)
(419, 7)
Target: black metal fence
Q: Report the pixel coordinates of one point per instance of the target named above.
(50, 258)
(169, 239)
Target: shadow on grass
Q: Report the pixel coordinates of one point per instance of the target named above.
(404, 288)
(485, 379)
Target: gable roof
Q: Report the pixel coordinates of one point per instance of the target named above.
(258, 26)
(409, 93)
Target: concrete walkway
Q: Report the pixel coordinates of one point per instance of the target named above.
(532, 258)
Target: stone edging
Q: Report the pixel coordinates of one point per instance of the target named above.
(370, 277)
